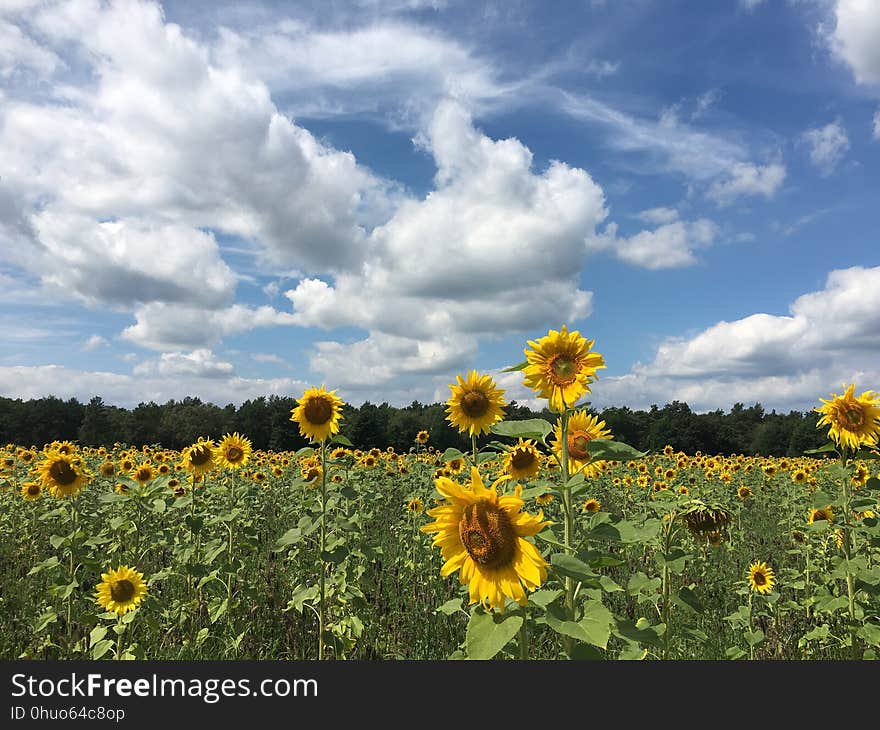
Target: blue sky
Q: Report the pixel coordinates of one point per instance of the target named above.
(237, 199)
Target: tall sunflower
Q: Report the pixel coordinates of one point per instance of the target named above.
(62, 474)
(476, 403)
(582, 428)
(481, 534)
(233, 451)
(854, 421)
(761, 577)
(523, 461)
(121, 590)
(561, 367)
(199, 458)
(318, 413)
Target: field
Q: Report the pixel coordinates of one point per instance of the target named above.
(665, 556)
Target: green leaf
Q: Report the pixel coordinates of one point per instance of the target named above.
(639, 583)
(216, 608)
(340, 439)
(451, 454)
(96, 634)
(46, 618)
(873, 484)
(609, 450)
(640, 632)
(514, 368)
(608, 585)
(548, 536)
(303, 452)
(159, 505)
(870, 633)
(593, 628)
(530, 428)
(822, 449)
(734, 652)
(202, 636)
(100, 648)
(489, 633)
(291, 537)
(453, 605)
(45, 565)
(571, 567)
(585, 652)
(753, 638)
(544, 597)
(690, 599)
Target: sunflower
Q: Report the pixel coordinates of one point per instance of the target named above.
(198, 459)
(523, 461)
(799, 476)
(233, 451)
(591, 505)
(318, 413)
(475, 403)
(482, 534)
(744, 492)
(582, 428)
(542, 500)
(854, 421)
(107, 469)
(62, 474)
(415, 505)
(761, 577)
(561, 367)
(422, 437)
(144, 473)
(121, 590)
(817, 515)
(31, 490)
(455, 466)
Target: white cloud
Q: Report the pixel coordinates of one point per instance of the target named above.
(18, 53)
(168, 326)
(705, 102)
(201, 363)
(877, 124)
(669, 246)
(785, 361)
(828, 145)
(94, 342)
(854, 38)
(658, 215)
(495, 248)
(750, 4)
(745, 179)
(267, 357)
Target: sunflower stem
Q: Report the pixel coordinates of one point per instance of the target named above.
(568, 642)
(524, 636)
(323, 565)
(474, 449)
(847, 554)
(229, 556)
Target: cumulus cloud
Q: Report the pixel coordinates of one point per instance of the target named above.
(854, 38)
(495, 248)
(94, 342)
(788, 361)
(827, 145)
(200, 363)
(671, 245)
(19, 53)
(747, 179)
(658, 215)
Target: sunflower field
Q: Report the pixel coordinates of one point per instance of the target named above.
(552, 541)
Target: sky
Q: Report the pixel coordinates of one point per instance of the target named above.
(235, 199)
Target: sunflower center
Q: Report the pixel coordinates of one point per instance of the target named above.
(33, 490)
(577, 446)
(487, 535)
(474, 404)
(234, 454)
(563, 369)
(318, 411)
(143, 475)
(522, 459)
(122, 591)
(62, 473)
(199, 455)
(759, 578)
(854, 418)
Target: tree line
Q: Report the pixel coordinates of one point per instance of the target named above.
(266, 421)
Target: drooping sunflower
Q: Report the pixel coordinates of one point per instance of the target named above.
(233, 451)
(475, 404)
(542, 500)
(107, 469)
(523, 461)
(582, 428)
(482, 535)
(121, 590)
(761, 577)
(817, 515)
(854, 421)
(318, 413)
(561, 367)
(31, 490)
(199, 458)
(62, 474)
